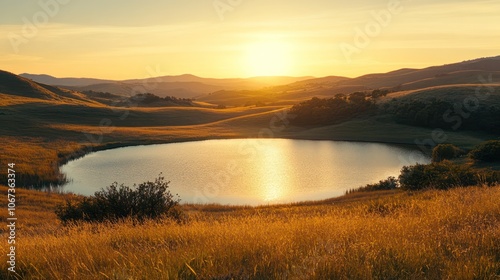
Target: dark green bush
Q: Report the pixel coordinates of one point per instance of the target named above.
(149, 200)
(444, 175)
(445, 151)
(488, 151)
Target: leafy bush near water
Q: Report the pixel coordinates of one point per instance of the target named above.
(445, 152)
(488, 151)
(149, 200)
(444, 175)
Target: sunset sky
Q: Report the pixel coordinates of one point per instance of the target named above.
(120, 39)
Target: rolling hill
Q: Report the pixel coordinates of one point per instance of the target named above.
(182, 86)
(286, 90)
(269, 90)
(476, 72)
(71, 82)
(14, 87)
(465, 72)
(19, 90)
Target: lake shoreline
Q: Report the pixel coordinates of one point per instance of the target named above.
(86, 183)
(115, 145)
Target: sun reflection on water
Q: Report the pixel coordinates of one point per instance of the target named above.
(273, 179)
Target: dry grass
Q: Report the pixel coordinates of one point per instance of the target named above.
(451, 234)
(10, 100)
(37, 161)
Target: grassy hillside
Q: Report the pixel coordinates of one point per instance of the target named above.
(452, 234)
(19, 86)
(452, 78)
(455, 73)
(383, 129)
(466, 72)
(488, 93)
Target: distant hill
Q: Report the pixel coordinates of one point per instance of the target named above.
(278, 90)
(17, 86)
(243, 83)
(12, 84)
(182, 86)
(71, 82)
(162, 89)
(15, 89)
(465, 72)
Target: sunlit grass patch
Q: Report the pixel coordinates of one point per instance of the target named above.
(452, 234)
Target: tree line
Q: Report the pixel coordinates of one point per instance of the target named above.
(430, 113)
(317, 111)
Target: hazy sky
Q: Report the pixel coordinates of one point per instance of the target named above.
(122, 39)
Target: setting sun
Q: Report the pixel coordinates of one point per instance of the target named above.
(268, 58)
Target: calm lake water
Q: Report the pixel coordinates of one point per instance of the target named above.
(243, 171)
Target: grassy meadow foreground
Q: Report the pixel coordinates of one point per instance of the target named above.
(453, 234)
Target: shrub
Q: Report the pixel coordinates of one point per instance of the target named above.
(149, 200)
(445, 151)
(444, 175)
(488, 151)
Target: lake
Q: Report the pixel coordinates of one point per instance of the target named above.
(244, 171)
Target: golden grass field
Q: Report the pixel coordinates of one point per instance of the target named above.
(452, 234)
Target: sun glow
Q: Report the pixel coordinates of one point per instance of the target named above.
(268, 58)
